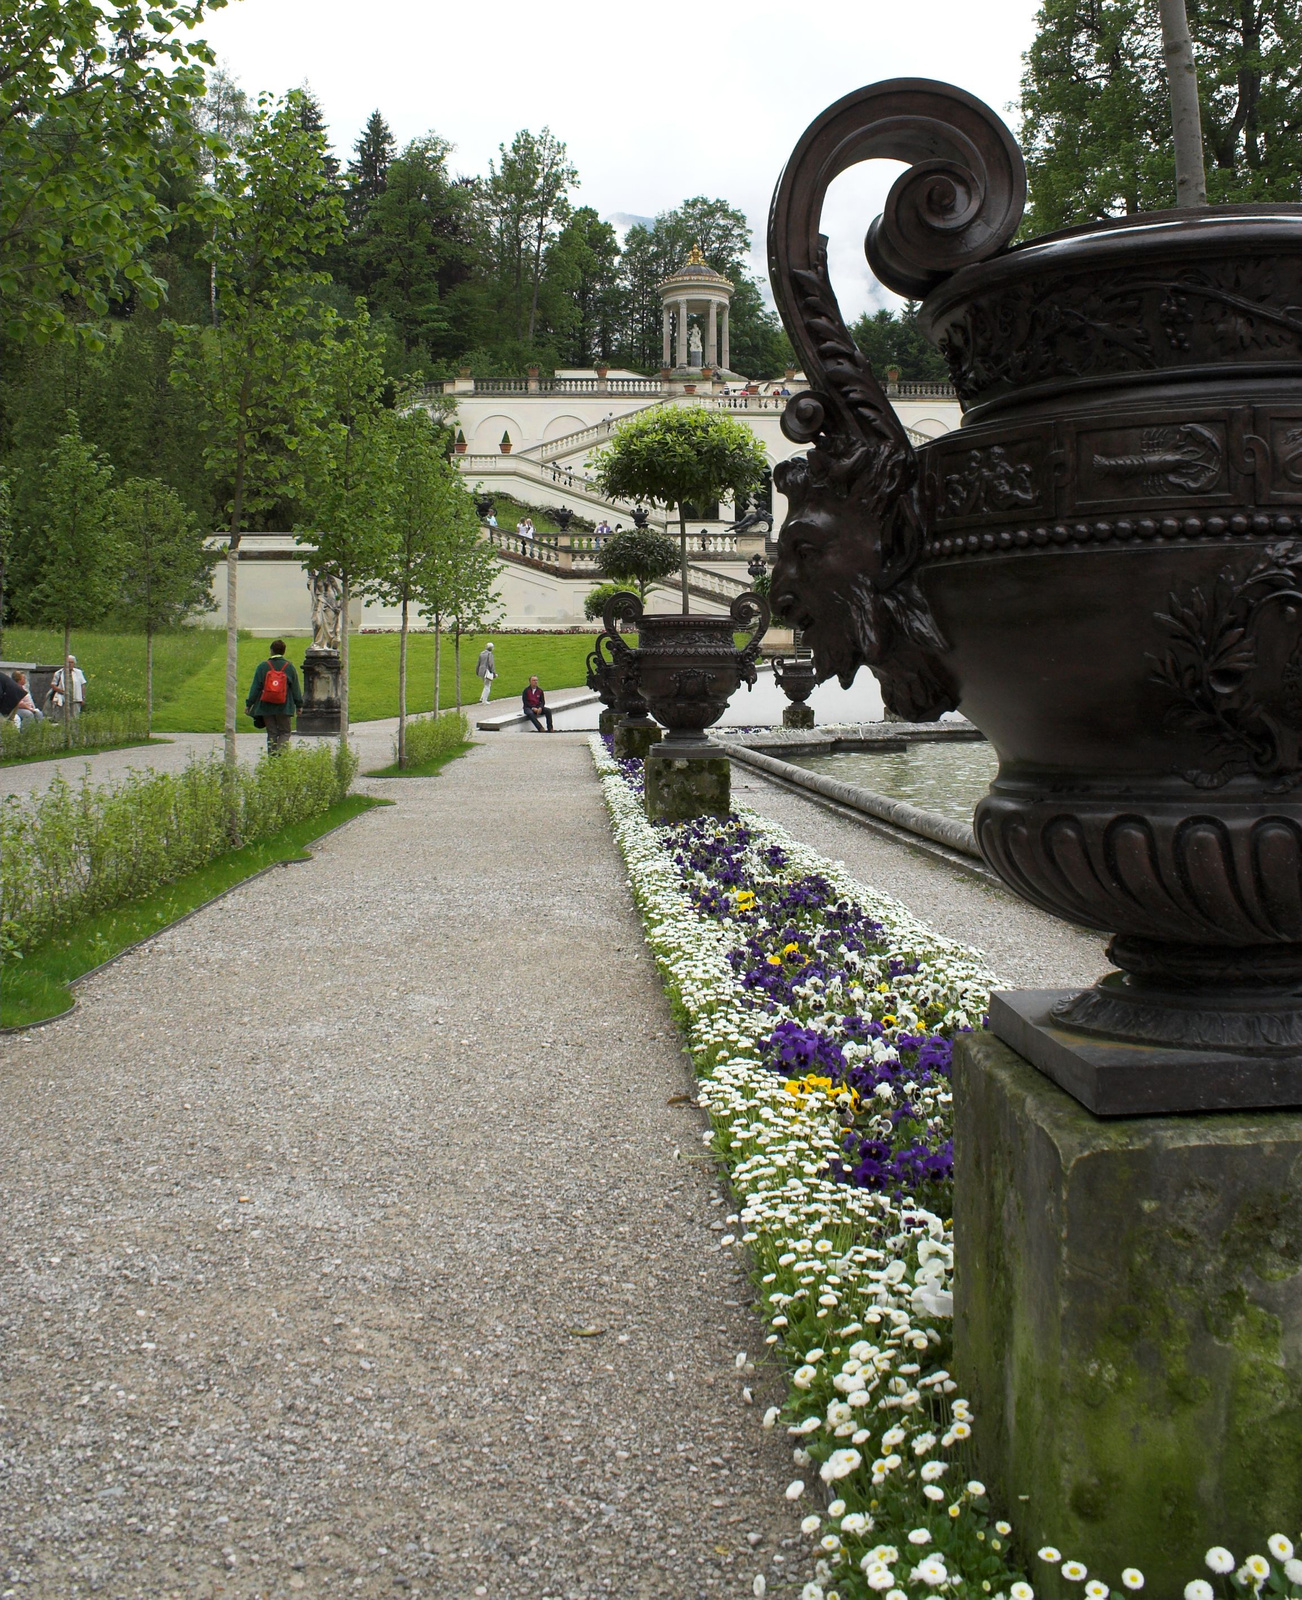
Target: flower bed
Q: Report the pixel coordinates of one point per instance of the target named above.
(821, 1018)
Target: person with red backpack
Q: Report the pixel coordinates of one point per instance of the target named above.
(274, 697)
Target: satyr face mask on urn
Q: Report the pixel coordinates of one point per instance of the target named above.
(1102, 569)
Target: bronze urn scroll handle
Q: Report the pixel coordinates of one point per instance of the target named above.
(750, 610)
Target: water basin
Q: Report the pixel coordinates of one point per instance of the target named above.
(947, 778)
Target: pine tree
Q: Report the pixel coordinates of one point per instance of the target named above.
(369, 168)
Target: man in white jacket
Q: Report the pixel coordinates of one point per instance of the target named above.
(486, 670)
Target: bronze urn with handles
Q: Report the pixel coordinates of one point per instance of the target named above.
(1102, 568)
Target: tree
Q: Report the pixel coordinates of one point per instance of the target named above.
(70, 553)
(414, 246)
(582, 297)
(680, 455)
(349, 471)
(525, 205)
(429, 509)
(166, 566)
(474, 602)
(1096, 112)
(254, 374)
(894, 339)
(638, 558)
(369, 168)
(6, 546)
(91, 95)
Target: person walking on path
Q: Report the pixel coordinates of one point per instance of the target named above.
(486, 670)
(274, 697)
(78, 680)
(535, 705)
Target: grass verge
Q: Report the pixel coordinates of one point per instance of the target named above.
(37, 987)
(85, 750)
(424, 769)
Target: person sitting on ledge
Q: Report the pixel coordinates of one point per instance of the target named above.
(535, 705)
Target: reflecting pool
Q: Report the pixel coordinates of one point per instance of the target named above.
(945, 778)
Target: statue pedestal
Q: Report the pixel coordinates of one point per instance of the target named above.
(606, 723)
(1127, 1321)
(682, 784)
(320, 712)
(798, 716)
(634, 738)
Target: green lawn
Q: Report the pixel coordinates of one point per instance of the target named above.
(190, 668)
(36, 988)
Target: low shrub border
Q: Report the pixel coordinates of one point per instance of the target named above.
(821, 1016)
(432, 741)
(37, 988)
(73, 851)
(95, 730)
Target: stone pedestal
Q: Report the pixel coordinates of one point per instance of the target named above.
(1128, 1321)
(798, 716)
(634, 738)
(680, 787)
(606, 722)
(320, 712)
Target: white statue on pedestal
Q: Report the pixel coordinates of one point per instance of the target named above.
(327, 609)
(694, 348)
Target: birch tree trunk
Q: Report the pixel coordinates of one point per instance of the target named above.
(1186, 120)
(402, 688)
(67, 687)
(343, 663)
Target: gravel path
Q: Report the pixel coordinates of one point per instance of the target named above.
(355, 1243)
(1024, 947)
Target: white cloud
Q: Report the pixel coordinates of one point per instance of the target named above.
(656, 104)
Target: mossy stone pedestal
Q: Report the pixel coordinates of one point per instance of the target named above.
(606, 722)
(798, 715)
(635, 736)
(1128, 1322)
(689, 781)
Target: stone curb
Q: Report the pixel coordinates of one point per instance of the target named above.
(898, 812)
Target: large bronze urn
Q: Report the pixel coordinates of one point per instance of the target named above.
(1102, 569)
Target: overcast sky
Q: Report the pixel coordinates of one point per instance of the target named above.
(656, 102)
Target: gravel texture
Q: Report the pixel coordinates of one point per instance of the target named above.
(1024, 947)
(359, 1240)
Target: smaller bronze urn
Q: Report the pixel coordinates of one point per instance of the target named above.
(796, 680)
(688, 668)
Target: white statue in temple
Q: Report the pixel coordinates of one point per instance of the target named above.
(694, 347)
(327, 608)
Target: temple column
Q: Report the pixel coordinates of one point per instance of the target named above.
(682, 333)
(727, 355)
(712, 335)
(665, 314)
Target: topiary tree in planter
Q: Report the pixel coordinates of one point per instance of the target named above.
(680, 455)
(636, 559)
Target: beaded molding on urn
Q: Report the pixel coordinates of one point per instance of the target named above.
(1123, 530)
